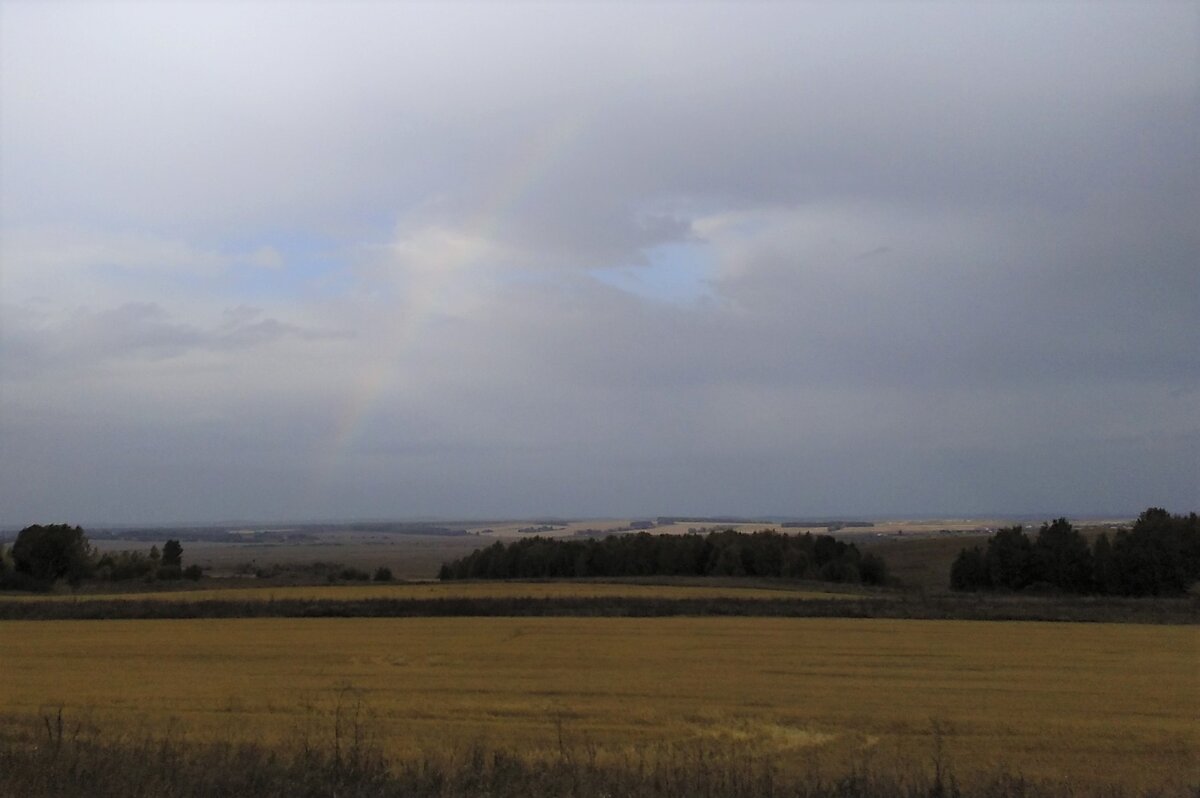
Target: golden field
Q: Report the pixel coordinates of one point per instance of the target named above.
(1094, 703)
(435, 590)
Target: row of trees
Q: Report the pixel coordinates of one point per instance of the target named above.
(724, 553)
(1160, 555)
(45, 554)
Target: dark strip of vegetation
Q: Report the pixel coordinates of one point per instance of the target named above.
(975, 608)
(307, 573)
(43, 555)
(62, 759)
(1160, 556)
(726, 553)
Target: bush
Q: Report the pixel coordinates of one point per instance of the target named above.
(383, 574)
(170, 572)
(193, 572)
(120, 566)
(351, 574)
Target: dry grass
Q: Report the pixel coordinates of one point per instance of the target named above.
(1091, 703)
(922, 562)
(409, 556)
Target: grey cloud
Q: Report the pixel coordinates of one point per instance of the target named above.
(950, 251)
(135, 331)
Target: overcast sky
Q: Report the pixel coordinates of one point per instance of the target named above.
(329, 260)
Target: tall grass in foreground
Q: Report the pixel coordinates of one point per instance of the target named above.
(54, 756)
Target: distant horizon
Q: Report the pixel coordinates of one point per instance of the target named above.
(466, 521)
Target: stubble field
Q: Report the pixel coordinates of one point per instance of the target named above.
(1090, 703)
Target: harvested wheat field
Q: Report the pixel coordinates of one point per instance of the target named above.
(1093, 703)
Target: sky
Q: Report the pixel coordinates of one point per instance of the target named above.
(408, 260)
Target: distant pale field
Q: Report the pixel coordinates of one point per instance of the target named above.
(434, 590)
(409, 556)
(1095, 703)
(914, 527)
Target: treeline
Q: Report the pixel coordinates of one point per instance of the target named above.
(1159, 556)
(45, 554)
(725, 553)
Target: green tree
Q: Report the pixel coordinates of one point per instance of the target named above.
(172, 554)
(1062, 558)
(970, 570)
(1159, 556)
(1105, 577)
(1010, 559)
(55, 551)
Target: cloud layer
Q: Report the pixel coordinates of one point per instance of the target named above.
(474, 260)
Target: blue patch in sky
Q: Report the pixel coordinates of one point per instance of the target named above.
(309, 266)
(676, 273)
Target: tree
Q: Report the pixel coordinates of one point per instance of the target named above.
(1010, 559)
(1062, 558)
(725, 553)
(1105, 578)
(1159, 556)
(56, 551)
(970, 570)
(172, 554)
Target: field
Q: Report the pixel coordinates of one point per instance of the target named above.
(408, 556)
(922, 563)
(1092, 703)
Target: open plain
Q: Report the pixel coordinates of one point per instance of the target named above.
(1093, 704)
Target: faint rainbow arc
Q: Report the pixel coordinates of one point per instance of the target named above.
(535, 161)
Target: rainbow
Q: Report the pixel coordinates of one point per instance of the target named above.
(537, 159)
